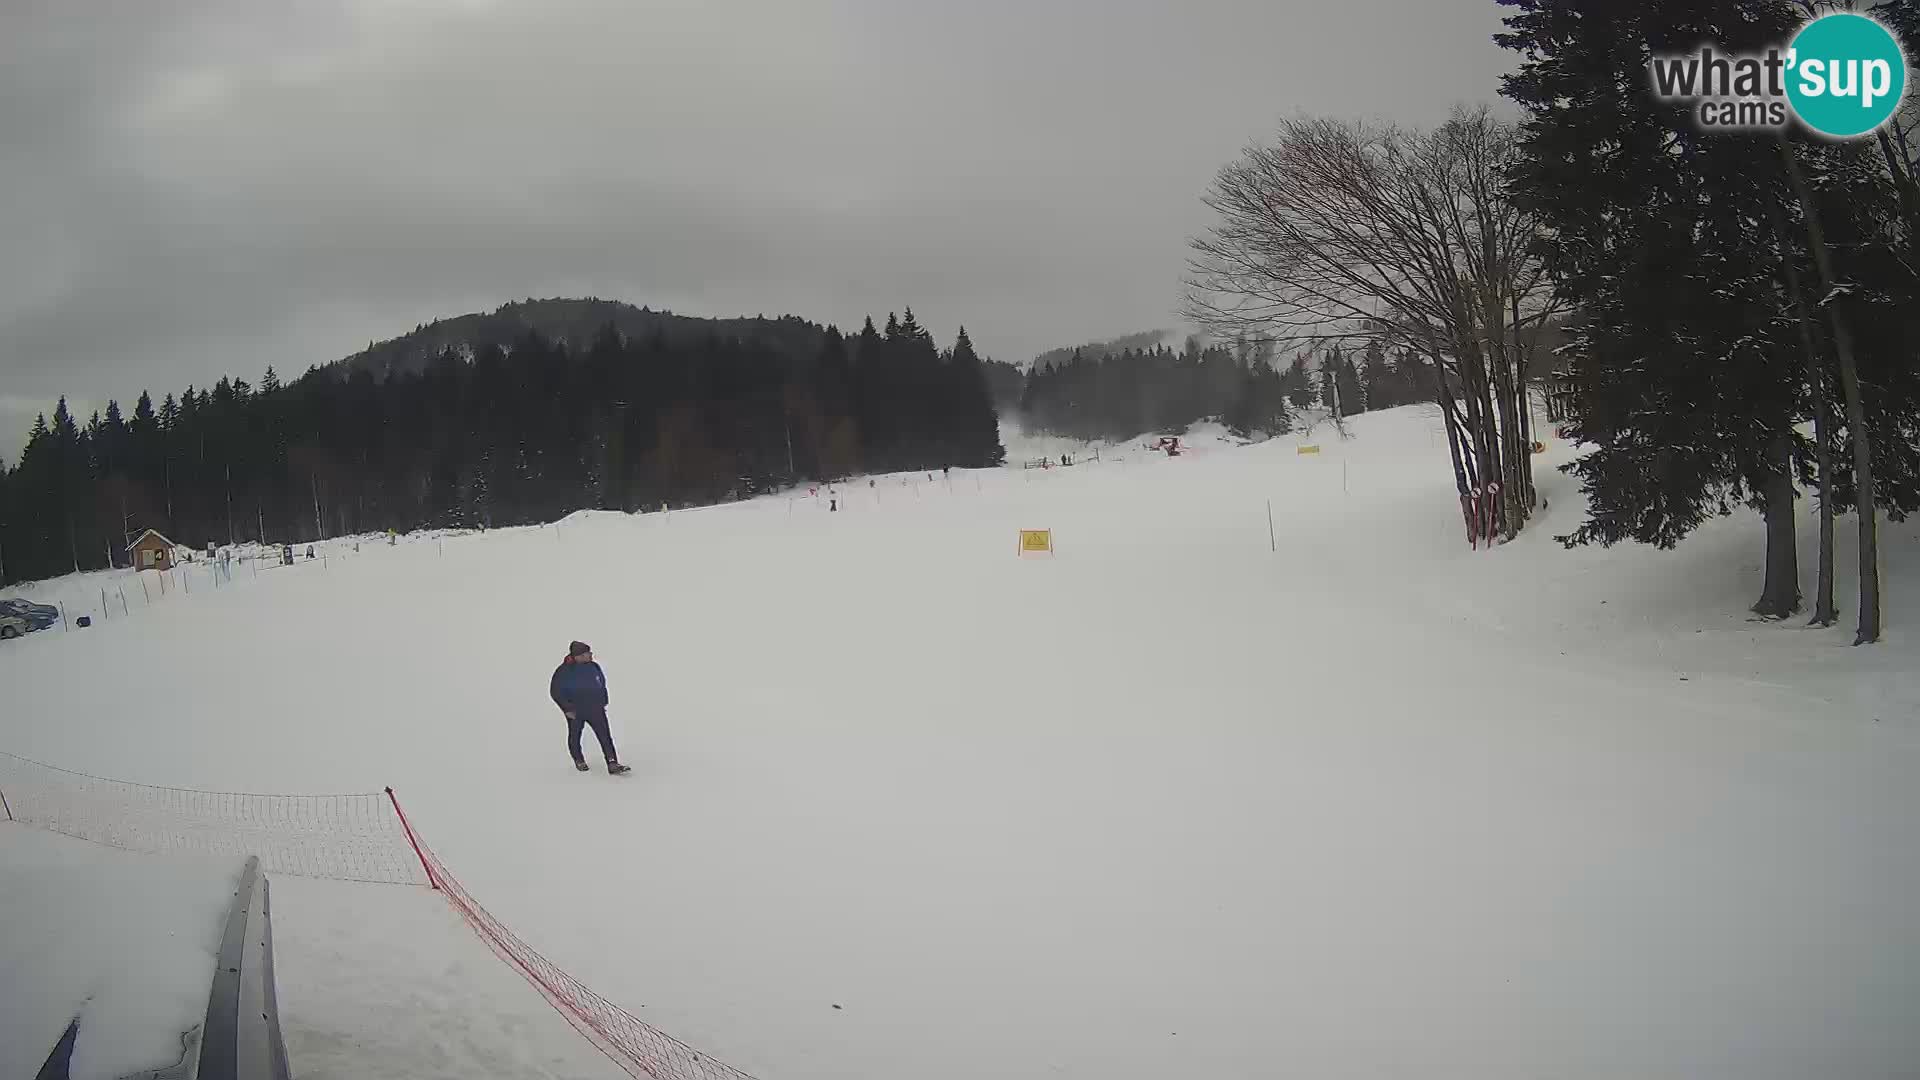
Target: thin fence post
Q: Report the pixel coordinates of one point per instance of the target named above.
(103, 605)
(64, 626)
(411, 839)
(1272, 543)
(4, 805)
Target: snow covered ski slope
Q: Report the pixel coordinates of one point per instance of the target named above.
(1185, 799)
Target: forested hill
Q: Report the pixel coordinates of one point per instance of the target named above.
(574, 322)
(524, 415)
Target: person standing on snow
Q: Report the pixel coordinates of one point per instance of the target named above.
(579, 687)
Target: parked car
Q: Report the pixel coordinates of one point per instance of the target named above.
(32, 616)
(12, 626)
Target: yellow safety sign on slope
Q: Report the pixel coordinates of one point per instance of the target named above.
(1307, 450)
(1034, 541)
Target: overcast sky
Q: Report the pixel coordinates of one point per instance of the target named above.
(201, 187)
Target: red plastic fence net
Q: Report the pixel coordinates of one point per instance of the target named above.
(346, 837)
(640, 1049)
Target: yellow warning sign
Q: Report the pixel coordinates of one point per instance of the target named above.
(1034, 541)
(1307, 450)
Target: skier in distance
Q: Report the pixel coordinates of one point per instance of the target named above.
(579, 687)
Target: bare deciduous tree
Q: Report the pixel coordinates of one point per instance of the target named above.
(1345, 231)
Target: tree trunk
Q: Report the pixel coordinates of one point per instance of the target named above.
(1522, 366)
(1869, 627)
(1481, 439)
(1513, 485)
(1780, 595)
(1824, 611)
(1444, 396)
(1492, 468)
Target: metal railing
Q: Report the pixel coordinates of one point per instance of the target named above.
(241, 1039)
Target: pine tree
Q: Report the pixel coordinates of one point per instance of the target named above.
(1657, 235)
(976, 427)
(1347, 381)
(479, 492)
(1299, 384)
(114, 438)
(1376, 389)
(1259, 407)
(909, 328)
(874, 415)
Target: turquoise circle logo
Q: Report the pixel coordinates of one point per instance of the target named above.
(1848, 75)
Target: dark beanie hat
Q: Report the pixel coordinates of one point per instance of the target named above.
(579, 648)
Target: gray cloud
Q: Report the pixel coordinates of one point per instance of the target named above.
(192, 190)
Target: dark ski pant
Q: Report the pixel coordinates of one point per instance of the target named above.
(578, 722)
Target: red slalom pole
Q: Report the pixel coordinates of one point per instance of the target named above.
(411, 839)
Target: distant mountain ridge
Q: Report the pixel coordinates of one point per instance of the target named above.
(574, 321)
(1144, 341)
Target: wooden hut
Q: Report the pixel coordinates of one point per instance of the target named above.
(151, 551)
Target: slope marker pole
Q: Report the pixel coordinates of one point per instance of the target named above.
(411, 839)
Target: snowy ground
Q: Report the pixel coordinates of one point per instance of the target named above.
(1168, 804)
(125, 943)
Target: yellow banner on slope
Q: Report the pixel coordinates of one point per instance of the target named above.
(1036, 541)
(1307, 450)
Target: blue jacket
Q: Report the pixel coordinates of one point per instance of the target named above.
(579, 686)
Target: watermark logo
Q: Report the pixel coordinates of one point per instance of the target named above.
(1842, 75)
(1851, 75)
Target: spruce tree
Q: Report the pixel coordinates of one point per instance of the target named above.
(1353, 399)
(1299, 384)
(1657, 236)
(1376, 379)
(976, 427)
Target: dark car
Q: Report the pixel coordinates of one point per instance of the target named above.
(33, 616)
